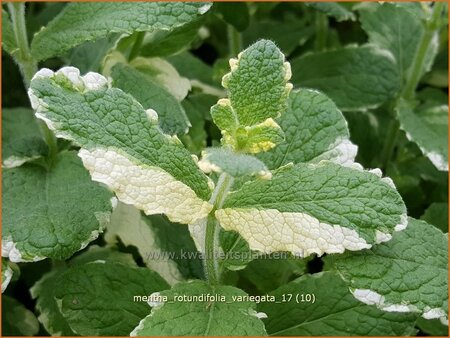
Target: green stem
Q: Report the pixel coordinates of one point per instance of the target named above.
(412, 79)
(50, 139)
(212, 229)
(419, 62)
(389, 144)
(136, 46)
(321, 25)
(27, 64)
(211, 243)
(234, 41)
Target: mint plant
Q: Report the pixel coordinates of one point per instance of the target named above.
(146, 192)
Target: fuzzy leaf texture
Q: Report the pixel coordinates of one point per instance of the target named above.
(44, 289)
(315, 208)
(97, 298)
(21, 138)
(122, 145)
(334, 313)
(258, 89)
(76, 24)
(314, 130)
(407, 274)
(224, 160)
(150, 94)
(202, 318)
(51, 213)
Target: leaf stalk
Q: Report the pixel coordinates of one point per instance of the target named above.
(420, 58)
(26, 62)
(28, 65)
(321, 27)
(212, 230)
(234, 41)
(413, 77)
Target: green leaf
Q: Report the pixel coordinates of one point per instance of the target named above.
(21, 137)
(258, 138)
(393, 27)
(234, 13)
(420, 167)
(315, 208)
(287, 34)
(35, 19)
(437, 214)
(164, 43)
(98, 299)
(225, 160)
(50, 316)
(152, 95)
(258, 91)
(257, 84)
(44, 289)
(197, 110)
(17, 320)
(120, 140)
(198, 72)
(192, 67)
(334, 9)
(74, 25)
(427, 128)
(165, 74)
(8, 39)
(407, 274)
(432, 327)
(51, 213)
(160, 243)
(334, 311)
(236, 252)
(219, 314)
(438, 75)
(314, 130)
(100, 253)
(269, 272)
(176, 239)
(90, 55)
(355, 78)
(7, 274)
(366, 130)
(432, 96)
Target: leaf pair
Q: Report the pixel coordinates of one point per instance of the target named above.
(318, 207)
